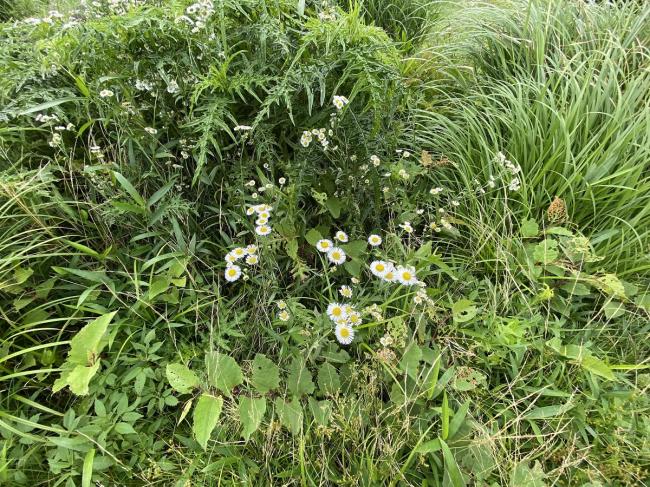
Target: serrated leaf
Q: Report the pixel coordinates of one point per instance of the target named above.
(181, 378)
(328, 379)
(251, 413)
(223, 372)
(266, 375)
(546, 251)
(299, 381)
(529, 228)
(77, 378)
(86, 345)
(290, 414)
(206, 416)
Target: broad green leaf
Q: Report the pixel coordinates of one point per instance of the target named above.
(290, 414)
(546, 251)
(334, 205)
(463, 310)
(159, 285)
(251, 412)
(266, 375)
(299, 381)
(328, 379)
(206, 417)
(77, 378)
(355, 248)
(411, 360)
(451, 467)
(321, 411)
(529, 228)
(223, 372)
(430, 446)
(86, 345)
(181, 378)
(524, 476)
(313, 236)
(597, 367)
(613, 309)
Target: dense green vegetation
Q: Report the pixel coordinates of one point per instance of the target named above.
(280, 242)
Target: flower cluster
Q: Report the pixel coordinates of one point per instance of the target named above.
(389, 272)
(340, 101)
(321, 134)
(197, 14)
(263, 214)
(283, 314)
(249, 256)
(345, 318)
(512, 168)
(336, 255)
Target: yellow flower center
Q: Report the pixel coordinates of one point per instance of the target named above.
(380, 267)
(406, 276)
(232, 272)
(337, 311)
(345, 332)
(336, 255)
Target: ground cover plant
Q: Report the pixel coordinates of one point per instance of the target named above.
(279, 242)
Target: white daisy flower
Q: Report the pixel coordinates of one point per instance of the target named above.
(282, 181)
(390, 276)
(251, 249)
(261, 221)
(230, 258)
(106, 93)
(336, 256)
(250, 211)
(375, 160)
(354, 319)
(374, 240)
(239, 252)
(252, 259)
(283, 315)
(344, 333)
(345, 291)
(151, 130)
(324, 245)
(406, 276)
(379, 267)
(435, 191)
(282, 304)
(336, 312)
(233, 272)
(406, 226)
(263, 230)
(264, 214)
(341, 236)
(340, 101)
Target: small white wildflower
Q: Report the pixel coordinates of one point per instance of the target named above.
(282, 181)
(344, 333)
(324, 245)
(340, 102)
(374, 240)
(263, 230)
(345, 291)
(336, 256)
(406, 226)
(435, 191)
(379, 267)
(406, 275)
(106, 94)
(341, 236)
(375, 160)
(151, 130)
(233, 273)
(283, 315)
